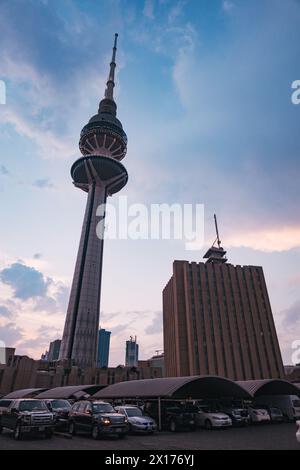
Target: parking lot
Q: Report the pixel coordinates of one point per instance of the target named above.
(281, 436)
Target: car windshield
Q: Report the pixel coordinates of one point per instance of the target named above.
(133, 412)
(102, 408)
(30, 405)
(57, 404)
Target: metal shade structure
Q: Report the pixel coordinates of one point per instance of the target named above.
(71, 391)
(25, 393)
(269, 387)
(195, 387)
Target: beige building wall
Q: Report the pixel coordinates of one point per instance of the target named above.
(218, 321)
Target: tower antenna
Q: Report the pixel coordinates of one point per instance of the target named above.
(217, 232)
(109, 92)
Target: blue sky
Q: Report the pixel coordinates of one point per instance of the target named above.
(204, 95)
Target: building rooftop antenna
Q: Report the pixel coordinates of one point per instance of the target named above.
(217, 232)
(216, 254)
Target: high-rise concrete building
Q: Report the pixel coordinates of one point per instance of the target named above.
(54, 348)
(100, 174)
(132, 353)
(218, 321)
(103, 348)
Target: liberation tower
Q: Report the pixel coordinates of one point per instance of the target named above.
(99, 173)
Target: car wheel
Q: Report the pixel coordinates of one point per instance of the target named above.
(1, 429)
(18, 432)
(72, 428)
(48, 434)
(208, 425)
(95, 432)
(173, 426)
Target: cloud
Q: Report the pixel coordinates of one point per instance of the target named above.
(40, 63)
(41, 342)
(176, 11)
(149, 9)
(37, 304)
(291, 317)
(10, 334)
(25, 281)
(5, 312)
(156, 326)
(227, 5)
(42, 293)
(4, 170)
(56, 300)
(272, 239)
(43, 183)
(49, 145)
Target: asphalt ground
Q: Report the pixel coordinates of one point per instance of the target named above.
(267, 437)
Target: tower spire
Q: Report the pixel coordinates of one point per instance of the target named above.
(109, 91)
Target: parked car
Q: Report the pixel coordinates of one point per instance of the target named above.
(209, 418)
(174, 415)
(4, 404)
(178, 417)
(298, 431)
(60, 409)
(97, 418)
(259, 415)
(239, 416)
(288, 404)
(235, 409)
(275, 414)
(27, 416)
(137, 420)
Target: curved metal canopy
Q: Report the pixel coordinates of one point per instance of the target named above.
(71, 391)
(175, 387)
(25, 393)
(269, 387)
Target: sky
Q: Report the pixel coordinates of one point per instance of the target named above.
(204, 94)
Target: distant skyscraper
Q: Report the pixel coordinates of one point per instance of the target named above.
(218, 321)
(132, 353)
(103, 348)
(100, 174)
(54, 349)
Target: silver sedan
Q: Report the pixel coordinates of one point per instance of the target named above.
(138, 422)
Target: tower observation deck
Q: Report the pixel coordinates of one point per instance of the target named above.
(100, 173)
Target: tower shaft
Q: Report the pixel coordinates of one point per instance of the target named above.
(81, 328)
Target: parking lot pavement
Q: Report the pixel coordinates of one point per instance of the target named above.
(281, 436)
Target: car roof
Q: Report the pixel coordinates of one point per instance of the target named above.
(56, 399)
(100, 401)
(127, 406)
(27, 399)
(92, 402)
